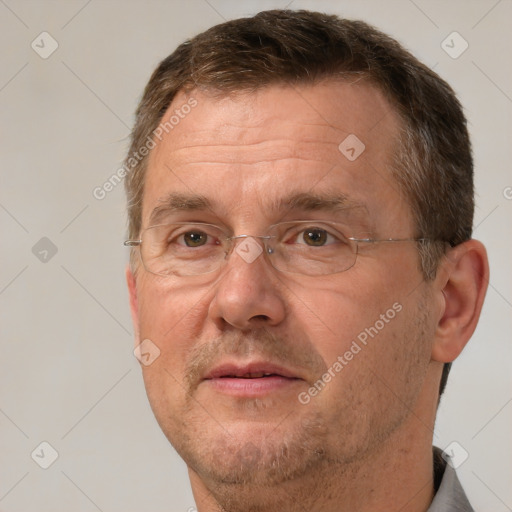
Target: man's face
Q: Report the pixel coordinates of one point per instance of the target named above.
(220, 333)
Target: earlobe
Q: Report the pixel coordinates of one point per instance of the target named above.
(462, 281)
(134, 304)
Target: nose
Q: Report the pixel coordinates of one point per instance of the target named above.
(248, 293)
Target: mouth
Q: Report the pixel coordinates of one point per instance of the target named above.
(251, 379)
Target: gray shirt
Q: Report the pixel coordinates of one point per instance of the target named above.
(449, 497)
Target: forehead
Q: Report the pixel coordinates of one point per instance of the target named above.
(326, 111)
(256, 147)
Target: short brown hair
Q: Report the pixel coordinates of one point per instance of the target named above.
(432, 162)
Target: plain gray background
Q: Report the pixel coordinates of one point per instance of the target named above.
(68, 375)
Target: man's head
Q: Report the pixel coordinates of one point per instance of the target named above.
(281, 118)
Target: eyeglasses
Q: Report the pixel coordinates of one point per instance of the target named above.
(312, 248)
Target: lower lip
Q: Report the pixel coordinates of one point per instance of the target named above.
(251, 387)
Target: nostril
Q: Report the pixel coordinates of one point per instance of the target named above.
(264, 318)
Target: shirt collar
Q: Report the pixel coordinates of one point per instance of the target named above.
(450, 496)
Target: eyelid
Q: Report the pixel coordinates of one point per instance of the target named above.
(210, 230)
(315, 223)
(299, 227)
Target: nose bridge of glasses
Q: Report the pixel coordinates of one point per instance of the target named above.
(249, 247)
(265, 237)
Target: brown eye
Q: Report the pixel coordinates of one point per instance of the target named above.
(315, 237)
(194, 238)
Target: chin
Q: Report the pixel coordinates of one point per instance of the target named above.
(250, 453)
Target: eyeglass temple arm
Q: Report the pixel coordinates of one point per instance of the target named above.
(132, 243)
(375, 240)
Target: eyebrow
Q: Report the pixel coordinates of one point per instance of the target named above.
(307, 201)
(301, 201)
(175, 202)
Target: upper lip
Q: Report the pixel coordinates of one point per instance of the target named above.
(248, 370)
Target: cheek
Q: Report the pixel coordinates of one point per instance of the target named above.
(172, 317)
(377, 350)
(365, 325)
(344, 308)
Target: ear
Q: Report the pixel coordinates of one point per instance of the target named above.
(460, 285)
(134, 303)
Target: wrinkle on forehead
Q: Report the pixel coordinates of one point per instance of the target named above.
(245, 114)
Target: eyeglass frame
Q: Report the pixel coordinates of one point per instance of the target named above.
(132, 243)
